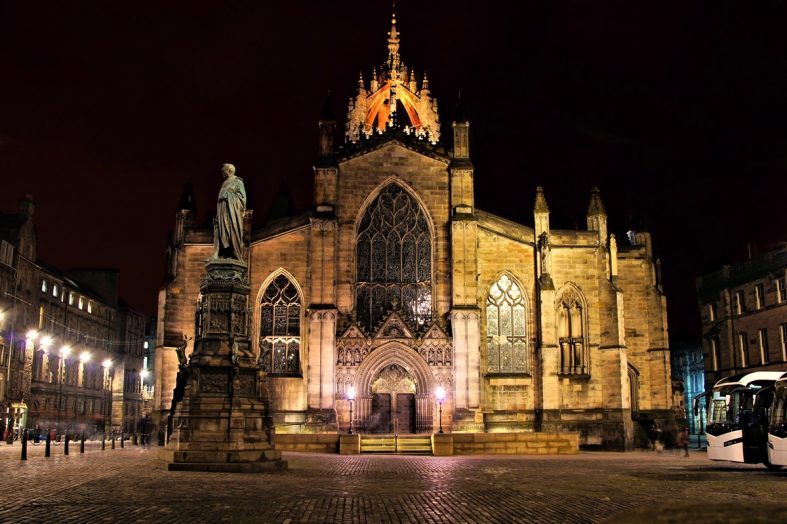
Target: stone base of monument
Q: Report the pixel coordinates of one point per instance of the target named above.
(222, 424)
(215, 433)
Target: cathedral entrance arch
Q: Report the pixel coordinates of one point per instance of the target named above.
(395, 390)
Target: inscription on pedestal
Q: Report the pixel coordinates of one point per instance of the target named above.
(213, 382)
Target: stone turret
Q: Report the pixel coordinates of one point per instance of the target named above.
(540, 214)
(597, 217)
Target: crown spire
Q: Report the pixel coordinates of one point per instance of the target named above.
(393, 100)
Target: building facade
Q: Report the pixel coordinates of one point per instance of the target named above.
(395, 285)
(70, 350)
(743, 308)
(688, 367)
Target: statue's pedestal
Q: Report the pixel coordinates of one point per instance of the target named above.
(222, 423)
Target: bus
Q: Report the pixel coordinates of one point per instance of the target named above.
(777, 430)
(739, 409)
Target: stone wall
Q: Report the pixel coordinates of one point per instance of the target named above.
(315, 442)
(516, 443)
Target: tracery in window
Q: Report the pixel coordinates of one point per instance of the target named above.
(506, 328)
(394, 261)
(571, 317)
(280, 328)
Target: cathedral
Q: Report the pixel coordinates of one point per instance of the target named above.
(394, 286)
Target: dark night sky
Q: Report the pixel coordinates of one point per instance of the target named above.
(676, 110)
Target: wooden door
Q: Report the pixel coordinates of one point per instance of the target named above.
(405, 412)
(380, 419)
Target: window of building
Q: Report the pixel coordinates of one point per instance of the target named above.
(759, 296)
(506, 328)
(6, 253)
(90, 307)
(743, 347)
(783, 332)
(781, 292)
(712, 312)
(394, 262)
(41, 317)
(762, 336)
(54, 290)
(43, 286)
(280, 327)
(714, 353)
(571, 333)
(81, 302)
(740, 305)
(70, 299)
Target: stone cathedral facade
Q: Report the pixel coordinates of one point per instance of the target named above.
(395, 284)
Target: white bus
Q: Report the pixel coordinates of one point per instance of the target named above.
(739, 409)
(777, 430)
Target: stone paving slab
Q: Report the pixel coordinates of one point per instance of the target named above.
(132, 485)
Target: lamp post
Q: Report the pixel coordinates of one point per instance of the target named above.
(440, 394)
(351, 398)
(84, 358)
(107, 365)
(64, 352)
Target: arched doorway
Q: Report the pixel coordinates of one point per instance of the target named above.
(395, 392)
(393, 401)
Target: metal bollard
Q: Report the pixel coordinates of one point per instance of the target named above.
(24, 445)
(82, 444)
(48, 448)
(113, 441)
(103, 441)
(122, 438)
(65, 447)
(136, 442)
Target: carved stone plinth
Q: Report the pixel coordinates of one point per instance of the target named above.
(222, 423)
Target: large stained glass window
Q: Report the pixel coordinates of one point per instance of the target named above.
(394, 257)
(571, 333)
(280, 328)
(506, 328)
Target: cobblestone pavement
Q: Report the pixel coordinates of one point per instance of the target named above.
(131, 485)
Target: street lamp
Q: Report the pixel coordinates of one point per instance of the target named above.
(351, 398)
(64, 352)
(440, 394)
(107, 365)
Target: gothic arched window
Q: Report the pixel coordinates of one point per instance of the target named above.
(571, 316)
(280, 328)
(394, 261)
(506, 328)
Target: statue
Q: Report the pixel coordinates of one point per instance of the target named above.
(230, 212)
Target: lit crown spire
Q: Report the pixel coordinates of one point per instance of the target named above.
(374, 109)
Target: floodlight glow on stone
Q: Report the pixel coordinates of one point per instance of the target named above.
(46, 341)
(32, 334)
(84, 356)
(65, 351)
(351, 393)
(107, 364)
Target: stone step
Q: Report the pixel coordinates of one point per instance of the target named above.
(411, 445)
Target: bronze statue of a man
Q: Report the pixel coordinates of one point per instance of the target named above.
(230, 212)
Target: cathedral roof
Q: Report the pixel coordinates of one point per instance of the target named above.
(393, 98)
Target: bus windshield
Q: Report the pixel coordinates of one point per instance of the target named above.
(779, 413)
(726, 407)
